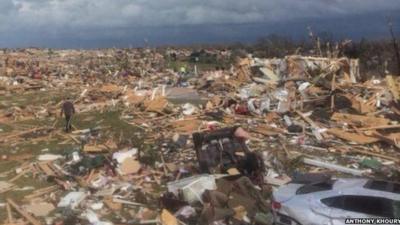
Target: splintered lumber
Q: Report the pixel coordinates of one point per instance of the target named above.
(268, 130)
(314, 126)
(382, 156)
(42, 191)
(23, 213)
(5, 187)
(9, 214)
(25, 171)
(20, 157)
(380, 127)
(9, 137)
(358, 120)
(358, 104)
(392, 139)
(74, 138)
(353, 137)
(332, 166)
(46, 169)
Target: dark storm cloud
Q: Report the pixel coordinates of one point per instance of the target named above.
(32, 22)
(124, 13)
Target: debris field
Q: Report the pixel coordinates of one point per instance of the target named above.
(155, 141)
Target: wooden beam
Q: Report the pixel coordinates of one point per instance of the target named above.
(9, 214)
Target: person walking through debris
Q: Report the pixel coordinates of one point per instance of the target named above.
(69, 110)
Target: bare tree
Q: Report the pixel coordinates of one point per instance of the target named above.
(395, 45)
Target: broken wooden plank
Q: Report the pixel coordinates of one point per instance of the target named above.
(7, 138)
(382, 156)
(9, 214)
(380, 127)
(335, 167)
(5, 186)
(19, 175)
(268, 130)
(353, 137)
(46, 169)
(43, 191)
(359, 120)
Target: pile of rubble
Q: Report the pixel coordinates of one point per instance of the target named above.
(214, 144)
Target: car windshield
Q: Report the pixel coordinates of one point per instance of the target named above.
(383, 186)
(310, 188)
(377, 206)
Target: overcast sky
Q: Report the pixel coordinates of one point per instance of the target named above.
(68, 18)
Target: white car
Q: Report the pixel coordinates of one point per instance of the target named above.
(332, 202)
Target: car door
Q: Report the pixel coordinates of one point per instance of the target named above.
(334, 208)
(321, 212)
